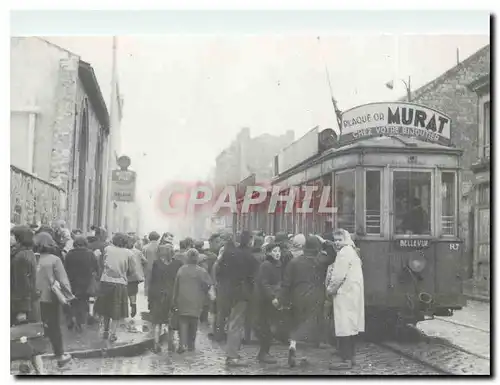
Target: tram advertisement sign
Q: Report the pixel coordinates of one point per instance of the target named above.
(395, 118)
(123, 185)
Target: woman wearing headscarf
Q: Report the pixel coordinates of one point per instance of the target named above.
(50, 269)
(81, 267)
(112, 300)
(344, 283)
(267, 287)
(303, 291)
(161, 292)
(24, 296)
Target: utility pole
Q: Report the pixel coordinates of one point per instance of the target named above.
(111, 142)
(338, 113)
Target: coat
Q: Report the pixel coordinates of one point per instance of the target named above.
(24, 297)
(303, 289)
(345, 283)
(50, 268)
(150, 252)
(140, 260)
(80, 264)
(161, 289)
(267, 287)
(190, 290)
(235, 274)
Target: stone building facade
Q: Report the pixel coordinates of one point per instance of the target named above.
(451, 93)
(482, 189)
(59, 129)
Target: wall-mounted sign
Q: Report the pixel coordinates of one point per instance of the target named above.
(123, 185)
(298, 151)
(395, 118)
(413, 244)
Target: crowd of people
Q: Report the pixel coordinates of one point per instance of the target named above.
(251, 284)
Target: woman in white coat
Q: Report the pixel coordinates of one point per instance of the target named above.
(344, 282)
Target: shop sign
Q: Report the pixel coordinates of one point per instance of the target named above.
(395, 118)
(123, 185)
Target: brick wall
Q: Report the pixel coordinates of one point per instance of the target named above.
(450, 94)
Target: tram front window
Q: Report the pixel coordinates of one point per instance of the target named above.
(412, 202)
(345, 200)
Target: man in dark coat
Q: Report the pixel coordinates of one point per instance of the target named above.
(235, 279)
(303, 291)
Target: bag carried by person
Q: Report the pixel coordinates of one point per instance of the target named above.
(64, 296)
(27, 340)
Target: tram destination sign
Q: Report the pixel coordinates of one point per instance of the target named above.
(412, 244)
(395, 119)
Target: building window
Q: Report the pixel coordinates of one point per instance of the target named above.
(483, 235)
(345, 192)
(448, 205)
(22, 140)
(373, 194)
(483, 194)
(484, 151)
(412, 202)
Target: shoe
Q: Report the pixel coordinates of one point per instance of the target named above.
(235, 362)
(63, 360)
(292, 361)
(343, 365)
(112, 338)
(133, 310)
(266, 359)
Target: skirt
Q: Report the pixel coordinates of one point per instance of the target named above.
(112, 301)
(133, 288)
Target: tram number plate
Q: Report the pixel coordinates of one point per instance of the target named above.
(454, 246)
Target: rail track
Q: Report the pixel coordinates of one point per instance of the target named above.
(440, 354)
(461, 324)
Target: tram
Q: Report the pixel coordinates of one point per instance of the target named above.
(394, 179)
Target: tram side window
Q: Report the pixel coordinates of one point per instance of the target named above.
(345, 200)
(448, 203)
(412, 202)
(372, 214)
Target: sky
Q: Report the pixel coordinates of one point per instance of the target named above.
(187, 96)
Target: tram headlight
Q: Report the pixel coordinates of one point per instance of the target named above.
(416, 264)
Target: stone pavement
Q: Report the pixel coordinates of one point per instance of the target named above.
(475, 339)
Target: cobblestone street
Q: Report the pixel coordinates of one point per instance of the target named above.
(209, 360)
